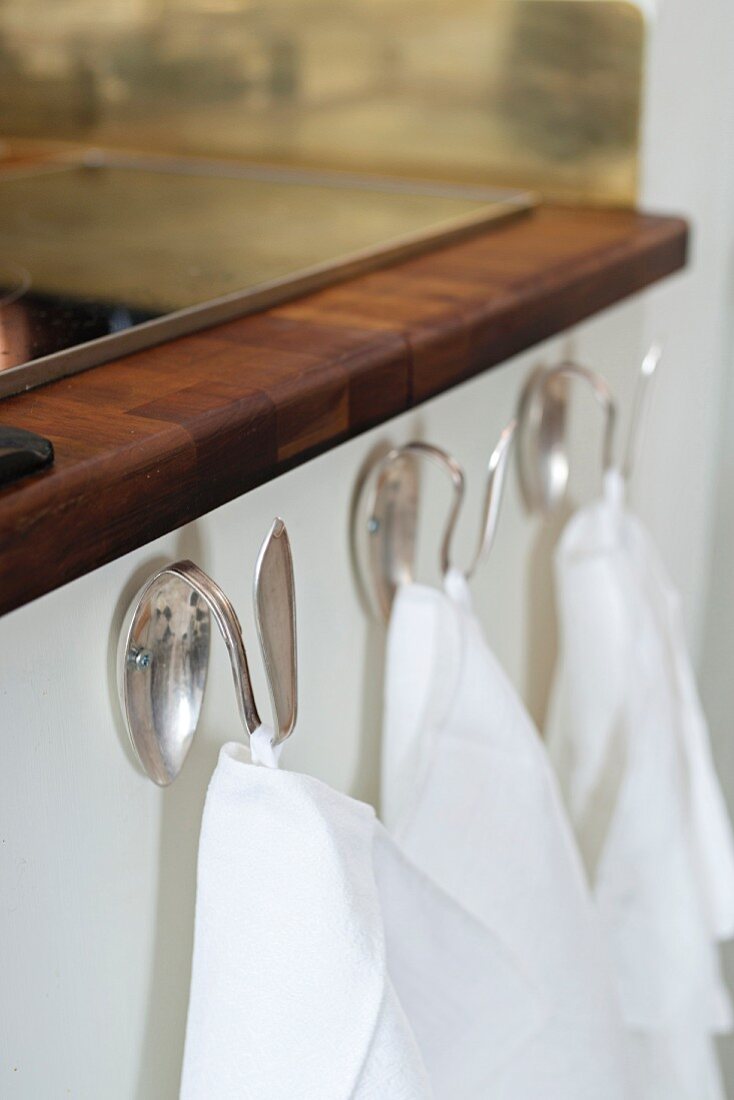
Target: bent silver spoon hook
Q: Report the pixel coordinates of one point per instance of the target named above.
(542, 457)
(164, 649)
(394, 507)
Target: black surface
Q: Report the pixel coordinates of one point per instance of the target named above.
(22, 453)
(41, 324)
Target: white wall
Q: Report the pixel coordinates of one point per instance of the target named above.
(689, 167)
(97, 865)
(688, 474)
(717, 660)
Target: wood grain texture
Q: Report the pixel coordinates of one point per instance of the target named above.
(158, 438)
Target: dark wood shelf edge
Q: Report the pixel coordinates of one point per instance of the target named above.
(157, 439)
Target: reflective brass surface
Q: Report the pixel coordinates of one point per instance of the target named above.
(538, 93)
(123, 253)
(159, 238)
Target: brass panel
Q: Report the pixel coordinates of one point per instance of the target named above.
(159, 239)
(536, 93)
(101, 258)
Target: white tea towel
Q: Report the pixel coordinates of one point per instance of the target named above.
(471, 799)
(630, 744)
(325, 966)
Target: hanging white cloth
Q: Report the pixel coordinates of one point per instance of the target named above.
(325, 966)
(630, 744)
(470, 797)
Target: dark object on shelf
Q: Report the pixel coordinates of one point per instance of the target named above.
(22, 453)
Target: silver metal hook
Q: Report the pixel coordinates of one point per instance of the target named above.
(542, 414)
(496, 473)
(274, 594)
(448, 463)
(639, 408)
(164, 655)
(393, 517)
(394, 511)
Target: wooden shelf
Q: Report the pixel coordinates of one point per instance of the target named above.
(156, 439)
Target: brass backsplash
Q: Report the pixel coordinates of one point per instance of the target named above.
(538, 93)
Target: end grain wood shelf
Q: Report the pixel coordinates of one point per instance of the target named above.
(156, 439)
